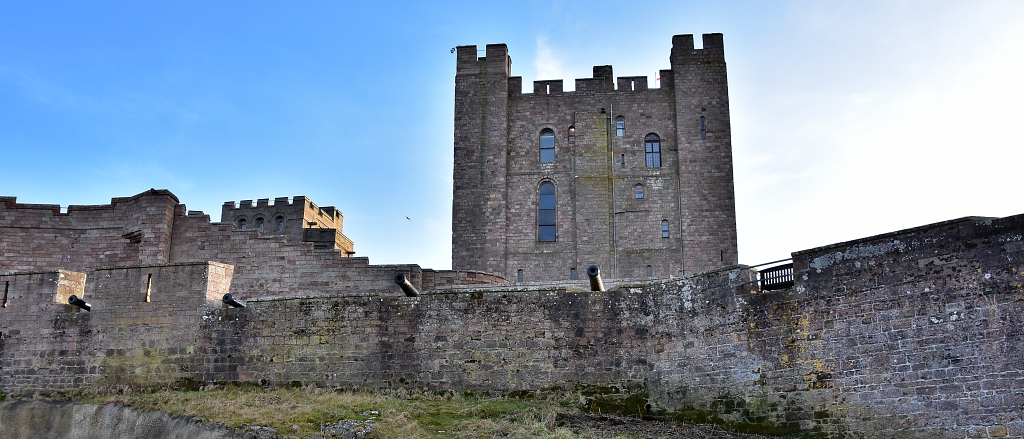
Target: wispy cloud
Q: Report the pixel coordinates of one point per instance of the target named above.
(548, 66)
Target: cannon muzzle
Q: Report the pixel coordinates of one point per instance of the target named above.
(402, 281)
(228, 299)
(595, 278)
(74, 300)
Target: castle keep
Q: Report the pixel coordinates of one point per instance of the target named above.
(914, 333)
(634, 179)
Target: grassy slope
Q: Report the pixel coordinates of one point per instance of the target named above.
(300, 413)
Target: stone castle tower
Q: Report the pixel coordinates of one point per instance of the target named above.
(633, 179)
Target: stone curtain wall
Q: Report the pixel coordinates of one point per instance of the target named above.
(910, 334)
(268, 266)
(50, 346)
(130, 230)
(152, 228)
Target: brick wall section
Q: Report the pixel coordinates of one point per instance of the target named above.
(906, 334)
(130, 230)
(599, 221)
(153, 228)
(124, 340)
(268, 266)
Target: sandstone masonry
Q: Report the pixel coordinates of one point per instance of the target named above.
(909, 334)
(640, 177)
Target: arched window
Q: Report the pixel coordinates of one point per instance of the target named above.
(664, 229)
(572, 274)
(280, 223)
(650, 272)
(572, 133)
(652, 145)
(546, 213)
(638, 191)
(703, 129)
(519, 276)
(242, 224)
(547, 146)
(259, 224)
(620, 126)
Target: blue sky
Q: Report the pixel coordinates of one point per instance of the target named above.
(849, 119)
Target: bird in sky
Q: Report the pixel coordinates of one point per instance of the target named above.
(410, 219)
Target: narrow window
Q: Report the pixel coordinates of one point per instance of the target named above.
(620, 126)
(242, 225)
(572, 274)
(650, 272)
(572, 133)
(259, 224)
(638, 191)
(149, 287)
(664, 229)
(7, 286)
(546, 213)
(652, 145)
(280, 223)
(519, 276)
(703, 129)
(623, 158)
(547, 146)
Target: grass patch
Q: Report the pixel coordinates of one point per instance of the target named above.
(302, 412)
(305, 413)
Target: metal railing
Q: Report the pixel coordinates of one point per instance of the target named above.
(776, 278)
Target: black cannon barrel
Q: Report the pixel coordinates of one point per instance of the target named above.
(595, 278)
(76, 301)
(228, 299)
(402, 281)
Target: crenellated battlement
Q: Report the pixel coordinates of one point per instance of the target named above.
(603, 81)
(12, 203)
(290, 218)
(683, 50)
(495, 61)
(265, 202)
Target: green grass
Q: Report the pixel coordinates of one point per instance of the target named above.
(301, 412)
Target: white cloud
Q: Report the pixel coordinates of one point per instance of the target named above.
(548, 66)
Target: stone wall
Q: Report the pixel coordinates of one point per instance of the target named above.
(142, 329)
(913, 333)
(66, 420)
(153, 228)
(131, 230)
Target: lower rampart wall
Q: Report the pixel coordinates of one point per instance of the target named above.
(268, 266)
(911, 334)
